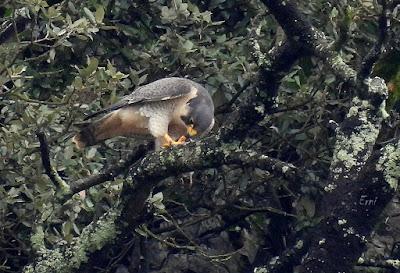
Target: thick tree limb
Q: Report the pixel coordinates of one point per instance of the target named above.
(208, 153)
(263, 99)
(358, 189)
(192, 156)
(282, 58)
(67, 257)
(300, 31)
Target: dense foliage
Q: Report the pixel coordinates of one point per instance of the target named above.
(60, 60)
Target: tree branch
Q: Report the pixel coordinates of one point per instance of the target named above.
(50, 171)
(393, 264)
(358, 189)
(67, 257)
(301, 32)
(373, 56)
(110, 173)
(207, 153)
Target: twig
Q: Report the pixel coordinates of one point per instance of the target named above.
(265, 209)
(15, 24)
(186, 247)
(227, 106)
(111, 172)
(394, 4)
(372, 57)
(50, 171)
(28, 100)
(388, 264)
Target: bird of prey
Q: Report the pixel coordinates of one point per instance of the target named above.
(170, 110)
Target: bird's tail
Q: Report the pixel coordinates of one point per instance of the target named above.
(86, 137)
(96, 131)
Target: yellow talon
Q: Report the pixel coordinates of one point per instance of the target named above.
(191, 131)
(170, 142)
(181, 140)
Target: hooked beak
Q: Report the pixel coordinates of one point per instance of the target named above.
(191, 131)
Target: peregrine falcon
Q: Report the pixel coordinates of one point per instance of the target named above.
(170, 110)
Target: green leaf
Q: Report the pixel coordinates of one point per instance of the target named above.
(142, 79)
(141, 231)
(99, 15)
(91, 153)
(90, 15)
(188, 45)
(334, 13)
(93, 63)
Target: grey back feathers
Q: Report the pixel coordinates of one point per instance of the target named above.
(160, 90)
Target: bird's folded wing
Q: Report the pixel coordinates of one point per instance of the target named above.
(161, 90)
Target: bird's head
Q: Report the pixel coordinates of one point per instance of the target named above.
(200, 117)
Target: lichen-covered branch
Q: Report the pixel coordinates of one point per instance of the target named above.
(356, 136)
(263, 97)
(208, 153)
(281, 59)
(66, 257)
(361, 183)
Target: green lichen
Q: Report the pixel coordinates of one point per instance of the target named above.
(389, 163)
(260, 270)
(353, 111)
(260, 109)
(378, 87)
(394, 263)
(330, 187)
(299, 244)
(352, 151)
(66, 257)
(64, 186)
(338, 64)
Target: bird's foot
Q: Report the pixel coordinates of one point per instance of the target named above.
(170, 142)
